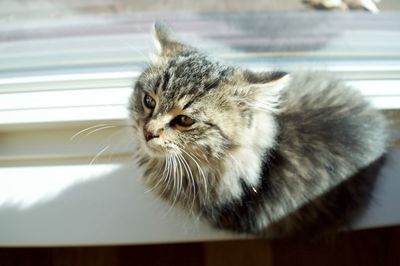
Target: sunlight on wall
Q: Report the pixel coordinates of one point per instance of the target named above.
(23, 187)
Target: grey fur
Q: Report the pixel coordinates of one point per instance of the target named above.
(267, 154)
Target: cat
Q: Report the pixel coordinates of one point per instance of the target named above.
(263, 153)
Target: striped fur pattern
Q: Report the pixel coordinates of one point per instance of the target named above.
(267, 153)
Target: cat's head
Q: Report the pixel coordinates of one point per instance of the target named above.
(188, 103)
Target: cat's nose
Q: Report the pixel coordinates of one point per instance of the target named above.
(148, 135)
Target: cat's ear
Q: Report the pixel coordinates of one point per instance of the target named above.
(165, 40)
(276, 80)
(263, 89)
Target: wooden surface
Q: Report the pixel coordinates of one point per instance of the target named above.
(378, 247)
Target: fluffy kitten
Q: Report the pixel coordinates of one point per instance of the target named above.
(260, 153)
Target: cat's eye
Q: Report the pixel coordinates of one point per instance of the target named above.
(183, 121)
(149, 102)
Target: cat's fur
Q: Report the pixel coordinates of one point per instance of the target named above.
(269, 153)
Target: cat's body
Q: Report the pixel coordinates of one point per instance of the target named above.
(326, 134)
(252, 152)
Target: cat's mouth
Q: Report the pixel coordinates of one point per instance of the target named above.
(155, 147)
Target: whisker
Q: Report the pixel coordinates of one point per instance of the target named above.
(86, 129)
(119, 144)
(98, 154)
(173, 176)
(161, 177)
(201, 172)
(192, 178)
(195, 156)
(175, 182)
(179, 181)
(168, 177)
(98, 129)
(186, 166)
(188, 171)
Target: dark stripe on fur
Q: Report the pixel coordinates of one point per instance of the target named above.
(335, 209)
(166, 79)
